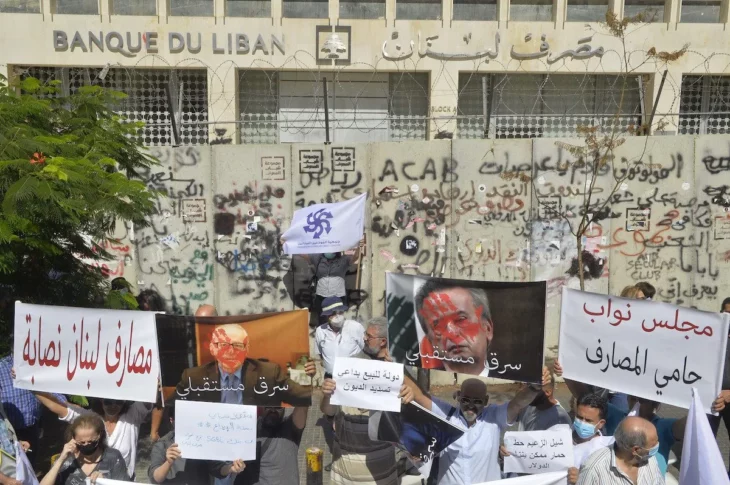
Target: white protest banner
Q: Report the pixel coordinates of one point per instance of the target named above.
(214, 431)
(702, 460)
(367, 384)
(538, 451)
(643, 348)
(556, 478)
(86, 351)
(326, 228)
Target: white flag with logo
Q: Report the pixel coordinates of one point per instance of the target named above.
(326, 228)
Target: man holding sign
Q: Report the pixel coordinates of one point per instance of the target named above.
(473, 457)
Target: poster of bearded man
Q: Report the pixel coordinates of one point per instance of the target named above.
(489, 329)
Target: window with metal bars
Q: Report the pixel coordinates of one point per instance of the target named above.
(149, 95)
(704, 107)
(20, 6)
(546, 105)
(288, 107)
(248, 8)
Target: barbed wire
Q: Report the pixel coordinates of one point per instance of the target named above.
(287, 99)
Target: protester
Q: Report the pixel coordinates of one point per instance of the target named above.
(8, 453)
(632, 458)
(458, 326)
(86, 455)
(375, 339)
(356, 459)
(473, 458)
(21, 407)
(590, 418)
(633, 292)
(669, 430)
(725, 307)
(330, 270)
(724, 397)
(121, 421)
(166, 462)
(151, 301)
(544, 411)
(338, 337)
(647, 289)
(277, 441)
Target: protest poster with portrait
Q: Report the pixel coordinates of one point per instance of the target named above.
(647, 349)
(262, 346)
(492, 329)
(86, 351)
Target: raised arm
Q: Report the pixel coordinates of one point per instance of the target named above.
(577, 389)
(299, 415)
(328, 387)
(419, 396)
(526, 396)
(55, 406)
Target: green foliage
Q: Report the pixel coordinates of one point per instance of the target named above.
(68, 172)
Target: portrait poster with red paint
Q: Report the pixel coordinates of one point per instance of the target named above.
(86, 351)
(647, 349)
(494, 329)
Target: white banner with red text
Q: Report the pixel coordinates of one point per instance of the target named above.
(647, 349)
(86, 351)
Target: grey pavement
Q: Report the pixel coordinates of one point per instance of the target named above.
(314, 435)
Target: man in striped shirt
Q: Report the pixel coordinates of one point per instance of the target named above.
(630, 461)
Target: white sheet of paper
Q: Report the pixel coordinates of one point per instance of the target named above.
(367, 384)
(643, 348)
(214, 431)
(538, 451)
(557, 478)
(86, 351)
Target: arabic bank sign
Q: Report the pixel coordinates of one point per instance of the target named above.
(133, 43)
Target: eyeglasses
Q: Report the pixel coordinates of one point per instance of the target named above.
(370, 337)
(469, 401)
(227, 345)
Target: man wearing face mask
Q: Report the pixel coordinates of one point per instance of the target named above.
(590, 418)
(473, 458)
(632, 458)
(338, 337)
(233, 378)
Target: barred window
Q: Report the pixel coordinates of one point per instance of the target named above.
(651, 10)
(587, 10)
(704, 107)
(305, 9)
(531, 10)
(148, 98)
(700, 11)
(248, 8)
(546, 105)
(475, 10)
(134, 7)
(288, 107)
(77, 7)
(418, 9)
(20, 6)
(191, 8)
(360, 9)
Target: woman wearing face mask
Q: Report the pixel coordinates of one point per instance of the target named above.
(329, 277)
(86, 455)
(121, 419)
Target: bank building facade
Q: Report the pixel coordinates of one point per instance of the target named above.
(288, 71)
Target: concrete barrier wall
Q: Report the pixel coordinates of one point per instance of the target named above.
(469, 209)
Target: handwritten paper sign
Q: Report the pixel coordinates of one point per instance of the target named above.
(538, 451)
(367, 384)
(90, 352)
(213, 431)
(647, 349)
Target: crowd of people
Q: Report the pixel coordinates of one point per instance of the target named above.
(617, 439)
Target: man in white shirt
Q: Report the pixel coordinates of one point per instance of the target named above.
(590, 418)
(338, 337)
(473, 458)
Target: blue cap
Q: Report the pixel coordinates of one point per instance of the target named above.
(332, 304)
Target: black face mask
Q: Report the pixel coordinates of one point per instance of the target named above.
(88, 448)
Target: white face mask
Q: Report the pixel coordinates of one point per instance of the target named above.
(337, 321)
